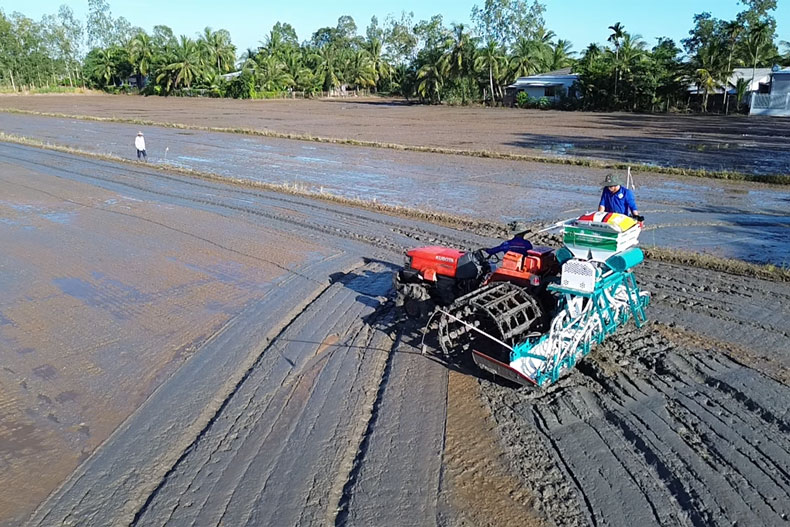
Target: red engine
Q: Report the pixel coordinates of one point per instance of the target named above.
(439, 275)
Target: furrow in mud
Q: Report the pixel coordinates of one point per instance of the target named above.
(111, 486)
(305, 405)
(648, 432)
(403, 473)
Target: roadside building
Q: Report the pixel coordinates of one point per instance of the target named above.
(758, 81)
(552, 85)
(232, 75)
(777, 101)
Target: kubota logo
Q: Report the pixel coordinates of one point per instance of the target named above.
(445, 259)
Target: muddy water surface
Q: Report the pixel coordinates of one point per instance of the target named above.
(104, 295)
(743, 220)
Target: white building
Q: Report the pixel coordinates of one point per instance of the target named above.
(777, 101)
(551, 85)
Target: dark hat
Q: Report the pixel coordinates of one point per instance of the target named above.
(612, 180)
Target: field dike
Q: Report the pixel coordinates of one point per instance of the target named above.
(481, 227)
(775, 179)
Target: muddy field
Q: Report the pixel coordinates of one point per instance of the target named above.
(180, 351)
(744, 220)
(749, 144)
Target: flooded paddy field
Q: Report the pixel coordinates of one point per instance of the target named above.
(180, 351)
(739, 143)
(750, 221)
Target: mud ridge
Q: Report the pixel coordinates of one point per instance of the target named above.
(345, 498)
(228, 397)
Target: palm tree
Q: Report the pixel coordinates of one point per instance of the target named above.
(274, 43)
(732, 30)
(293, 65)
(325, 59)
(525, 59)
(591, 54)
(382, 68)
(708, 63)
(490, 58)
(216, 49)
(561, 55)
(617, 33)
(272, 75)
(758, 41)
(185, 66)
(430, 79)
(360, 70)
(141, 55)
(105, 66)
(247, 56)
(786, 58)
(741, 88)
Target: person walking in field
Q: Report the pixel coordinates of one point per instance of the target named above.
(139, 144)
(617, 198)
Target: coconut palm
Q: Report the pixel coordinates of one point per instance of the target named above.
(430, 79)
(618, 31)
(741, 88)
(786, 57)
(490, 59)
(274, 44)
(526, 58)
(141, 55)
(732, 30)
(756, 45)
(591, 54)
(382, 68)
(105, 66)
(293, 63)
(459, 57)
(360, 70)
(216, 49)
(708, 64)
(185, 65)
(325, 60)
(561, 55)
(271, 74)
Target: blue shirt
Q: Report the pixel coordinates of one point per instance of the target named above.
(621, 201)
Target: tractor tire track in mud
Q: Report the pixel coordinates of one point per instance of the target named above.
(652, 432)
(281, 449)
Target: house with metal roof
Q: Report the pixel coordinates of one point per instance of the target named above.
(759, 80)
(551, 85)
(777, 101)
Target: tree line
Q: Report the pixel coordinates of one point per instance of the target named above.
(425, 60)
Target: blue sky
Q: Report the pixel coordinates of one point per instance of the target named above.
(580, 21)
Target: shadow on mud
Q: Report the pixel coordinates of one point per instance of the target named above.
(410, 337)
(687, 151)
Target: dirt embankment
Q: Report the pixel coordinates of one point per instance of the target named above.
(714, 143)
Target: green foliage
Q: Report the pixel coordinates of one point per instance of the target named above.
(242, 87)
(522, 99)
(504, 21)
(414, 58)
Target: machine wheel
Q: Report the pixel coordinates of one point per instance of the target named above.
(416, 301)
(503, 310)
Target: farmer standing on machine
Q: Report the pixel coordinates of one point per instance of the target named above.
(616, 197)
